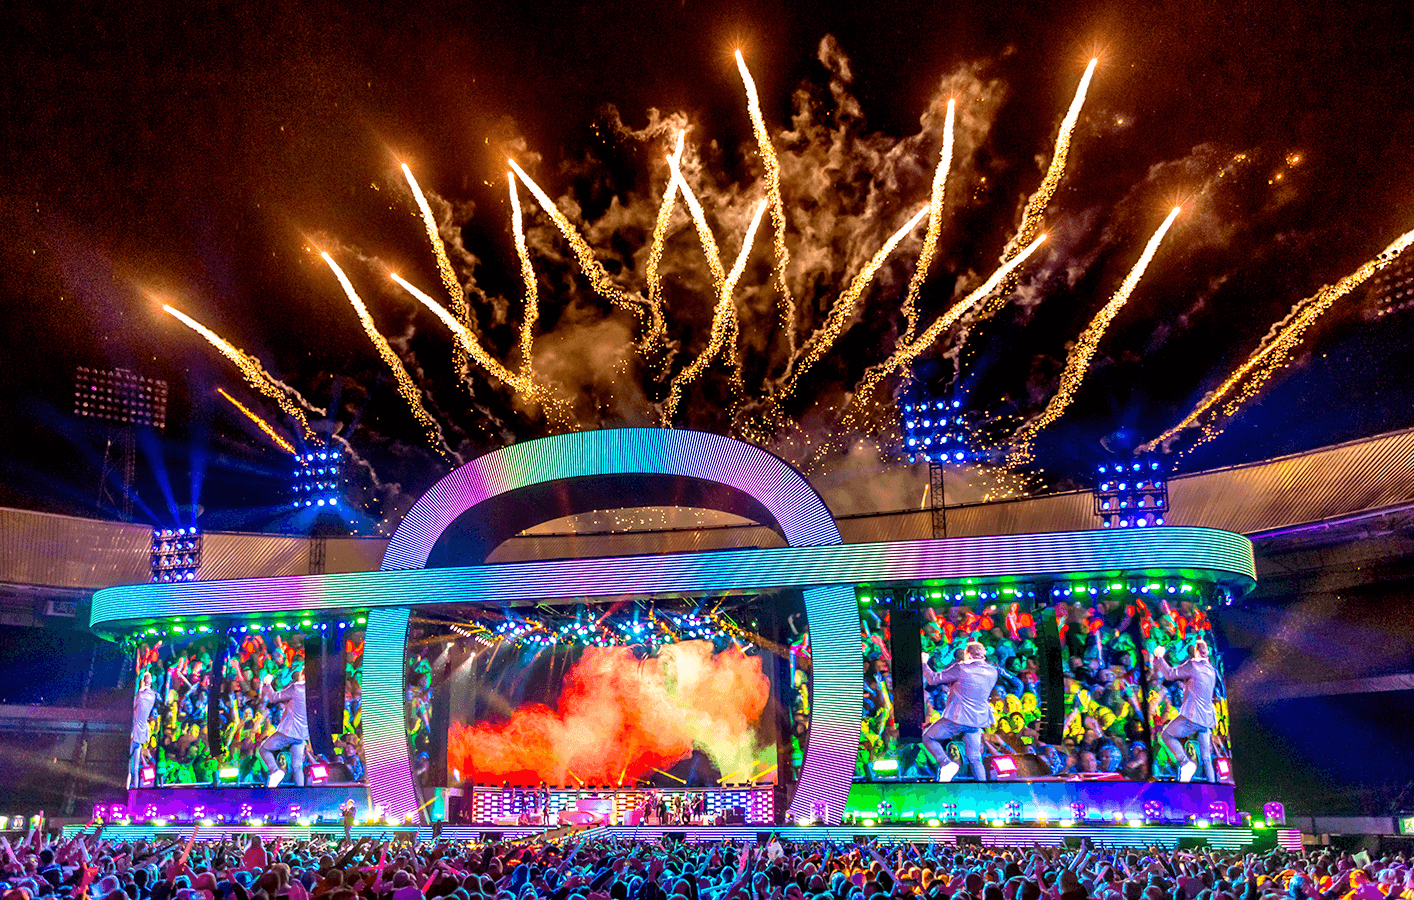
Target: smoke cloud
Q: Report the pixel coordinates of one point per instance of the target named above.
(618, 718)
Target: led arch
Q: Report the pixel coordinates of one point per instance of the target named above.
(593, 468)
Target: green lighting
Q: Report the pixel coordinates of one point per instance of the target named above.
(934, 823)
(870, 823)
(884, 765)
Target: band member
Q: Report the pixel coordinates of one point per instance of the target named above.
(293, 731)
(347, 812)
(967, 711)
(143, 701)
(1196, 716)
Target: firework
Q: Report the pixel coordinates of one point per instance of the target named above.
(450, 282)
(583, 253)
(406, 388)
(1036, 206)
(773, 193)
(1275, 349)
(1078, 362)
(467, 340)
(250, 368)
(527, 274)
(935, 227)
(263, 425)
(842, 313)
(910, 350)
(655, 251)
(724, 324)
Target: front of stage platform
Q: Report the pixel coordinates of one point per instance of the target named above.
(749, 689)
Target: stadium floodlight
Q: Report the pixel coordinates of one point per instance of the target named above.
(935, 431)
(319, 478)
(121, 396)
(176, 554)
(1132, 493)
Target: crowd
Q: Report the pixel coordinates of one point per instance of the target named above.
(91, 866)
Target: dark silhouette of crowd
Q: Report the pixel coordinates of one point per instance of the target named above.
(327, 868)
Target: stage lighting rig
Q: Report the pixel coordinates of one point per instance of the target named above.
(319, 478)
(122, 400)
(936, 431)
(176, 554)
(1133, 493)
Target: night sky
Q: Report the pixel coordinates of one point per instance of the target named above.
(203, 153)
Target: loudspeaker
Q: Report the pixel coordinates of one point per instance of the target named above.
(763, 838)
(974, 840)
(1192, 843)
(679, 836)
(490, 836)
(405, 836)
(1073, 841)
(1264, 840)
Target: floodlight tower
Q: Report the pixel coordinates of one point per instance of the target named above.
(123, 400)
(936, 430)
(1132, 493)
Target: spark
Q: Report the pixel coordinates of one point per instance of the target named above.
(264, 426)
(450, 282)
(724, 324)
(1078, 362)
(467, 340)
(655, 251)
(527, 274)
(406, 387)
(935, 227)
(842, 313)
(251, 369)
(773, 193)
(1275, 349)
(910, 350)
(583, 253)
(1036, 206)
(704, 231)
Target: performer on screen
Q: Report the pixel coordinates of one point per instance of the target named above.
(1196, 716)
(292, 733)
(143, 701)
(970, 681)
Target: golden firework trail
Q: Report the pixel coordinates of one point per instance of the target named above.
(1036, 206)
(467, 340)
(935, 227)
(406, 387)
(842, 313)
(1276, 348)
(583, 253)
(655, 251)
(455, 292)
(1078, 362)
(527, 274)
(773, 193)
(704, 231)
(724, 324)
(251, 369)
(263, 425)
(910, 350)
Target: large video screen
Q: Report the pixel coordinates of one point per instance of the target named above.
(696, 709)
(247, 708)
(1103, 729)
(1188, 711)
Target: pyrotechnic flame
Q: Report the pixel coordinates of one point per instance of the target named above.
(254, 374)
(842, 313)
(583, 253)
(455, 292)
(773, 193)
(468, 341)
(1078, 362)
(1275, 350)
(935, 227)
(910, 350)
(724, 323)
(1036, 206)
(656, 328)
(263, 425)
(406, 387)
(527, 274)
